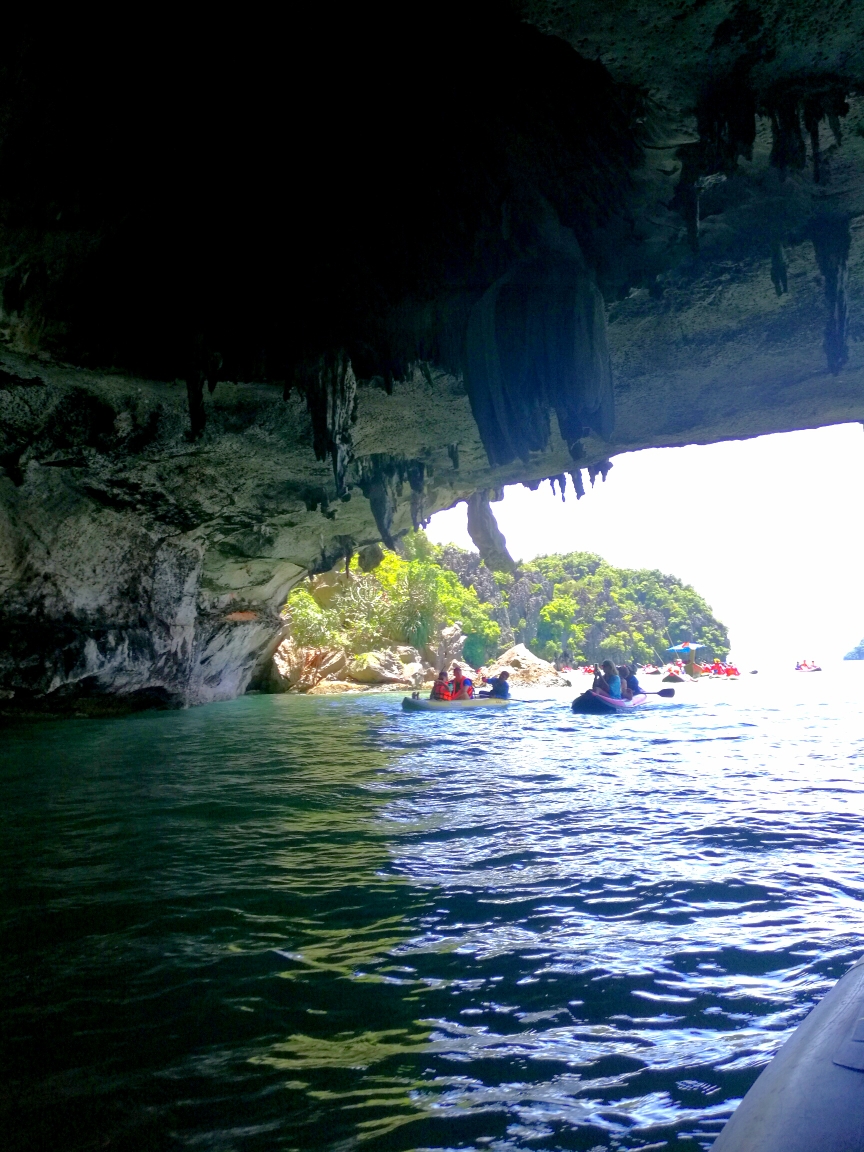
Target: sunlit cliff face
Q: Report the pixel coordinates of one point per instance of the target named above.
(272, 295)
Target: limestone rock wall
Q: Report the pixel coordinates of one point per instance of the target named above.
(140, 562)
(589, 231)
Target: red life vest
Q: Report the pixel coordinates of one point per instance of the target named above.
(457, 686)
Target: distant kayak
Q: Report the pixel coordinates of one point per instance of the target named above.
(596, 704)
(673, 678)
(410, 705)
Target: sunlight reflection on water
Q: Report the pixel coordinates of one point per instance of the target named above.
(324, 923)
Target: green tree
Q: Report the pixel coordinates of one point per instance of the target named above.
(425, 597)
(620, 614)
(403, 601)
(592, 611)
(555, 631)
(311, 626)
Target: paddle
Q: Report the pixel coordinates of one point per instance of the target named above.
(667, 692)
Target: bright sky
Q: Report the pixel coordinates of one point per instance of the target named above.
(767, 530)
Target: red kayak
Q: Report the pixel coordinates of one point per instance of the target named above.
(596, 704)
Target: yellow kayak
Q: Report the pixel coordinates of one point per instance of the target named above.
(410, 705)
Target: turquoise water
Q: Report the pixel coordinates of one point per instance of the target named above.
(312, 923)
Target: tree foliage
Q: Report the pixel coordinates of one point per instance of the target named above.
(575, 607)
(405, 600)
(597, 612)
(311, 626)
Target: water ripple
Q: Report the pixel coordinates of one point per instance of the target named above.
(320, 923)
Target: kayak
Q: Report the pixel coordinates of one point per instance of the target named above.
(810, 1098)
(410, 705)
(596, 704)
(673, 678)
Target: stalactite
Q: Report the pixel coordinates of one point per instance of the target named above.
(203, 368)
(536, 342)
(820, 105)
(576, 477)
(561, 481)
(787, 149)
(195, 400)
(416, 474)
(380, 487)
(381, 478)
(213, 369)
(330, 388)
(601, 470)
(831, 241)
(812, 115)
(484, 531)
(336, 549)
(779, 274)
(836, 106)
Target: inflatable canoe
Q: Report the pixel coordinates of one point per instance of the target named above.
(596, 704)
(810, 1098)
(410, 705)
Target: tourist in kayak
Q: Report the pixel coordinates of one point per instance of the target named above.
(608, 681)
(500, 689)
(630, 686)
(441, 687)
(461, 687)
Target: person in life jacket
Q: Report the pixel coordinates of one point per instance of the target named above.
(461, 688)
(441, 687)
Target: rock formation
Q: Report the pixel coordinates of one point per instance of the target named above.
(527, 670)
(260, 319)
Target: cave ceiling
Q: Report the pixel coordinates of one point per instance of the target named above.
(270, 294)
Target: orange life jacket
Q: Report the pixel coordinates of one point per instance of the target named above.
(457, 685)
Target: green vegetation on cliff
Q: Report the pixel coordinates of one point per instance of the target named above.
(575, 608)
(405, 600)
(597, 612)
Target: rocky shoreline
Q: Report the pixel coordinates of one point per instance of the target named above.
(400, 668)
